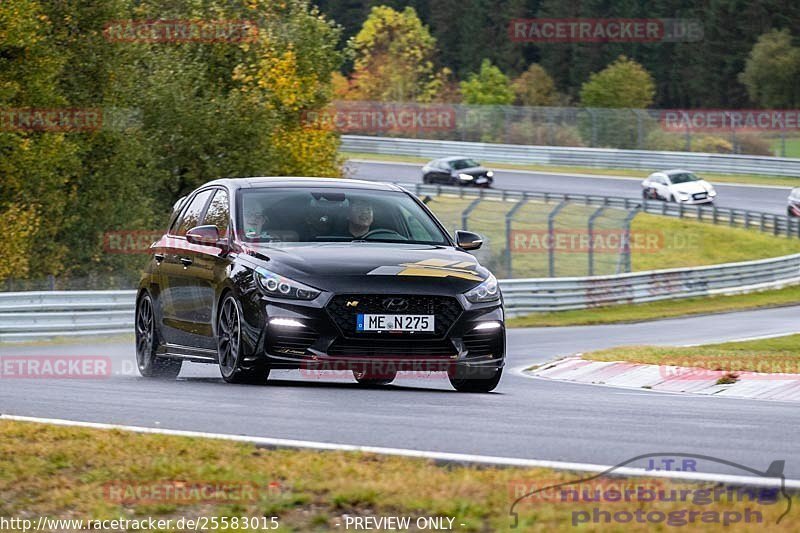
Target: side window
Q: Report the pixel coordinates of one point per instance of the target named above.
(218, 212)
(192, 213)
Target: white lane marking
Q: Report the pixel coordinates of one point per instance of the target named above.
(592, 176)
(420, 454)
(745, 339)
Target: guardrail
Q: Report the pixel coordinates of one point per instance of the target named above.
(46, 314)
(580, 157)
(40, 315)
(562, 294)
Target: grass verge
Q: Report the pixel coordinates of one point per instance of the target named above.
(753, 179)
(663, 309)
(96, 475)
(773, 355)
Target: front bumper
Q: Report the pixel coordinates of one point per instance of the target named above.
(696, 199)
(319, 340)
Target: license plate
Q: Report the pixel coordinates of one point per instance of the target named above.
(700, 196)
(365, 322)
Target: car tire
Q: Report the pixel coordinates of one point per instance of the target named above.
(364, 377)
(477, 383)
(645, 195)
(234, 366)
(148, 338)
(673, 199)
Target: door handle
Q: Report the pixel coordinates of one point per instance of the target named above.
(186, 261)
(158, 257)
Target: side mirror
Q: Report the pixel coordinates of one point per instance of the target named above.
(203, 235)
(468, 240)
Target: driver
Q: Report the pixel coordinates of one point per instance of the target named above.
(254, 222)
(359, 218)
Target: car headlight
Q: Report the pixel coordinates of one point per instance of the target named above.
(683, 195)
(465, 177)
(487, 291)
(278, 286)
(489, 174)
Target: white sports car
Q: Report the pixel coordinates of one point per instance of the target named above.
(793, 209)
(678, 186)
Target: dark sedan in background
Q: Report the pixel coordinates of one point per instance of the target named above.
(457, 171)
(321, 274)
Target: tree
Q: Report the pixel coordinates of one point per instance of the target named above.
(623, 83)
(199, 110)
(535, 87)
(489, 86)
(394, 55)
(772, 71)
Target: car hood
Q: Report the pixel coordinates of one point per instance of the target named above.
(474, 171)
(692, 187)
(377, 267)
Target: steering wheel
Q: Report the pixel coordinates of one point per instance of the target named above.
(378, 231)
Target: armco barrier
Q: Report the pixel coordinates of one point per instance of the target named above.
(39, 315)
(561, 294)
(579, 157)
(47, 314)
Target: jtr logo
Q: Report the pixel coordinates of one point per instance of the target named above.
(687, 465)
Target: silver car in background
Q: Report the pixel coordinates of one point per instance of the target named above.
(793, 209)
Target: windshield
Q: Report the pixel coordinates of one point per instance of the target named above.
(459, 164)
(683, 178)
(302, 214)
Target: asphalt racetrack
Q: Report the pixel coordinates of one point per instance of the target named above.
(524, 418)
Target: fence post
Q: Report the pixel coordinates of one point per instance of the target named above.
(551, 258)
(592, 218)
(625, 245)
(509, 219)
(468, 210)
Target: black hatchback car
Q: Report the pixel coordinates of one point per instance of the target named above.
(323, 274)
(462, 171)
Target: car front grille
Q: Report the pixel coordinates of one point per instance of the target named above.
(700, 196)
(397, 348)
(343, 309)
